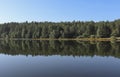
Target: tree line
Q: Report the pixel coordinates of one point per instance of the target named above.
(74, 29)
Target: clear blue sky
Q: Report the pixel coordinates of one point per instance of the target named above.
(58, 10)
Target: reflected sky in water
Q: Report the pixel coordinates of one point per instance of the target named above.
(58, 66)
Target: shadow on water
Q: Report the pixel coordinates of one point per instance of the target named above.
(63, 48)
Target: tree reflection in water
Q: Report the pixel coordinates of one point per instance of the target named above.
(63, 48)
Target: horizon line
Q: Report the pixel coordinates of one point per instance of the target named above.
(58, 21)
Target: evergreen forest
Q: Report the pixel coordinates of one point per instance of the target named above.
(56, 30)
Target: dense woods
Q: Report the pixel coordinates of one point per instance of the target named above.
(75, 29)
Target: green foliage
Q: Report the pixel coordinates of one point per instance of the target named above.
(45, 33)
(92, 36)
(85, 35)
(103, 30)
(60, 30)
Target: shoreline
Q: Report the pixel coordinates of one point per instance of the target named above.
(65, 39)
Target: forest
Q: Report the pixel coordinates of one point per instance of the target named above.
(56, 30)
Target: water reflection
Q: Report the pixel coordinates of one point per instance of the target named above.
(63, 48)
(59, 59)
(58, 66)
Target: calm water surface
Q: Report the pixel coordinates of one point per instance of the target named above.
(59, 59)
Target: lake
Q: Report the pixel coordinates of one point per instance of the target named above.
(59, 59)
